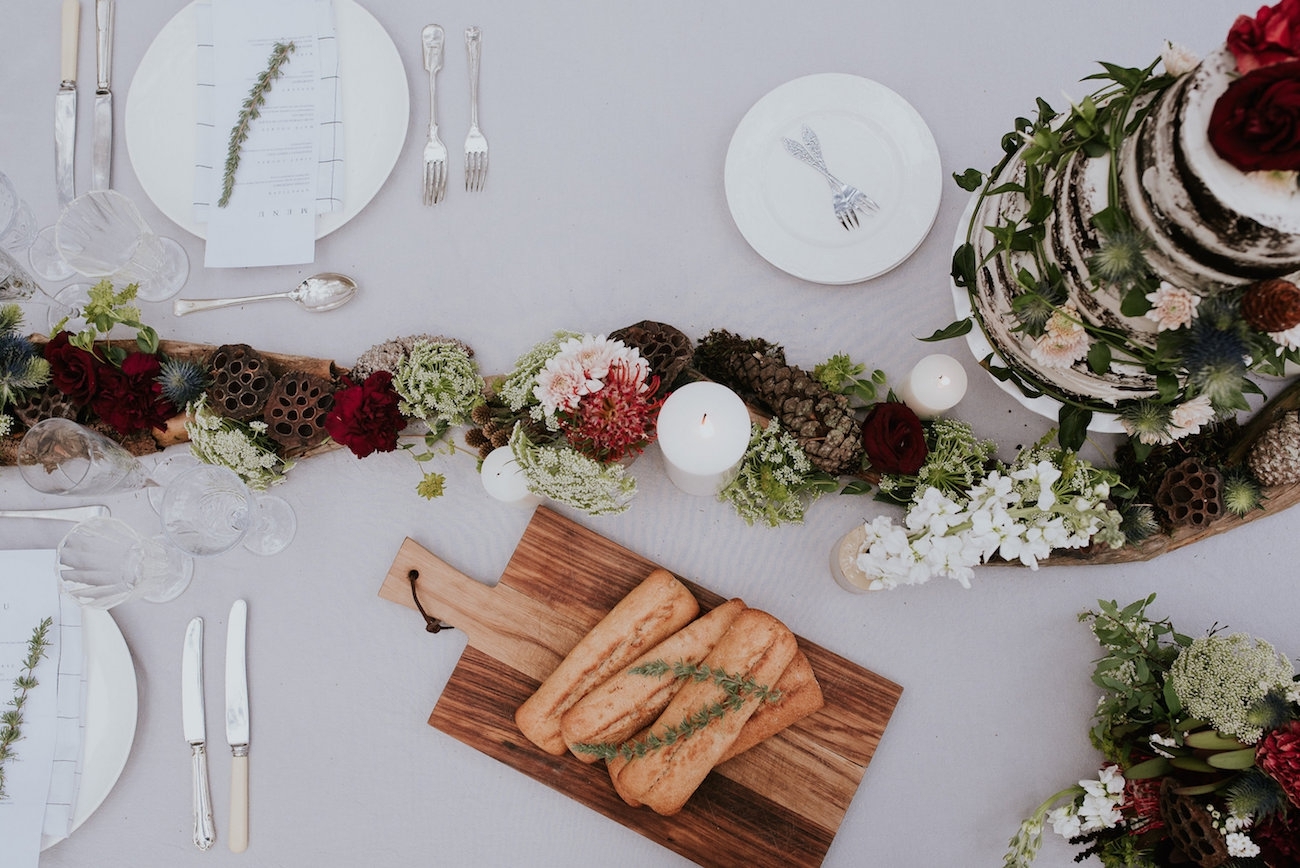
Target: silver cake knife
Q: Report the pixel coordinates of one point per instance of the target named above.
(237, 724)
(101, 161)
(65, 105)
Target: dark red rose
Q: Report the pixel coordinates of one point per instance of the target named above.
(365, 417)
(1278, 838)
(1255, 125)
(893, 438)
(73, 371)
(1278, 756)
(130, 398)
(1272, 36)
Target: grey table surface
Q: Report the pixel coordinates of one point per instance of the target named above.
(609, 125)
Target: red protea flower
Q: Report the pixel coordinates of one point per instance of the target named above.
(1142, 800)
(1278, 756)
(616, 420)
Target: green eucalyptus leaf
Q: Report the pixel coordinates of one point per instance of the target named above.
(969, 180)
(954, 330)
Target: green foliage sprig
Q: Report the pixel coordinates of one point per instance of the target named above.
(252, 109)
(841, 374)
(736, 689)
(106, 308)
(11, 720)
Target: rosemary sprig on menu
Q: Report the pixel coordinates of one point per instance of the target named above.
(736, 689)
(11, 720)
(251, 110)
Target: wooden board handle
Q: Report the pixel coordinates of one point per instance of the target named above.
(499, 621)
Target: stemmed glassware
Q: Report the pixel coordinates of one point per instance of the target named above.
(60, 456)
(104, 561)
(101, 234)
(208, 509)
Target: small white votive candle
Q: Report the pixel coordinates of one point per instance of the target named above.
(936, 384)
(703, 432)
(504, 480)
(844, 562)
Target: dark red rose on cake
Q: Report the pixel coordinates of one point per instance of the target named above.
(1255, 124)
(130, 398)
(1272, 36)
(365, 417)
(1278, 756)
(893, 438)
(73, 371)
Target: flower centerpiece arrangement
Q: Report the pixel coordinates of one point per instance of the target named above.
(1200, 740)
(1170, 353)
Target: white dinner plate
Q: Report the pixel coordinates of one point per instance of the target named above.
(110, 713)
(981, 348)
(871, 138)
(160, 115)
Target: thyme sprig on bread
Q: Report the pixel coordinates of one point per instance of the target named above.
(736, 688)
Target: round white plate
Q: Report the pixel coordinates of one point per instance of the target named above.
(111, 706)
(871, 138)
(1043, 405)
(160, 113)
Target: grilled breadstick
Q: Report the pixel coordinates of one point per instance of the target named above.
(801, 695)
(756, 646)
(627, 702)
(652, 611)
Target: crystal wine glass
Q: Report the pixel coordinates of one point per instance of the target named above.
(104, 561)
(59, 456)
(208, 509)
(17, 225)
(101, 234)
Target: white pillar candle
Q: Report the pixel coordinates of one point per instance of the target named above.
(936, 384)
(504, 480)
(703, 432)
(844, 562)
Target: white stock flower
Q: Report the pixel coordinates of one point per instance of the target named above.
(1065, 822)
(1240, 845)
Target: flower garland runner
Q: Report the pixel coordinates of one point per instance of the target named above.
(1201, 743)
(576, 409)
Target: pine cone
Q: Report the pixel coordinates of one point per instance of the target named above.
(821, 420)
(1271, 305)
(667, 350)
(1275, 457)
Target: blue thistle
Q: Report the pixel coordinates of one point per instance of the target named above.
(182, 381)
(1255, 794)
(1216, 365)
(21, 366)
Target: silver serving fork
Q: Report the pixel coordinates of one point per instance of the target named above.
(435, 152)
(846, 200)
(476, 147)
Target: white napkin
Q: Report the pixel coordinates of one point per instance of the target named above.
(291, 165)
(29, 593)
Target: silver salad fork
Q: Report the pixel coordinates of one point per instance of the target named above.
(435, 152)
(846, 200)
(476, 147)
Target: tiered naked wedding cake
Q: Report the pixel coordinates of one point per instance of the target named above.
(1136, 256)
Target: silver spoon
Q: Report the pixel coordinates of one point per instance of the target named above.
(320, 292)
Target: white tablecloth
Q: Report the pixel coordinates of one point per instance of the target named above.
(604, 205)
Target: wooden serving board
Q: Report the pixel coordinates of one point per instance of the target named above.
(778, 804)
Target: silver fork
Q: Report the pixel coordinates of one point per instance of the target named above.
(435, 152)
(846, 200)
(476, 148)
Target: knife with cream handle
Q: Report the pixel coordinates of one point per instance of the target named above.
(101, 160)
(237, 724)
(196, 732)
(65, 105)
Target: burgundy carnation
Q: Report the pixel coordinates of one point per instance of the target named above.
(1272, 36)
(1278, 756)
(73, 371)
(894, 439)
(130, 398)
(1255, 124)
(365, 417)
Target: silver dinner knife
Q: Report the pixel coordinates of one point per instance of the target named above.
(196, 732)
(65, 105)
(237, 724)
(101, 160)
